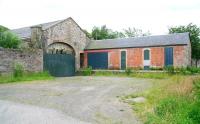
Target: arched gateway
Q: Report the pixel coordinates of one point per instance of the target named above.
(59, 59)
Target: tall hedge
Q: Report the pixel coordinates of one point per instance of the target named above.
(8, 39)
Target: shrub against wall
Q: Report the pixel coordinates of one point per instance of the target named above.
(87, 71)
(18, 70)
(8, 39)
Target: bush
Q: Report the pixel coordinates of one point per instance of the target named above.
(156, 68)
(197, 88)
(188, 70)
(165, 106)
(193, 69)
(87, 71)
(128, 71)
(194, 113)
(9, 40)
(171, 110)
(26, 76)
(178, 109)
(170, 69)
(3, 29)
(183, 70)
(18, 71)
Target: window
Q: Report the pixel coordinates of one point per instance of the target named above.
(146, 55)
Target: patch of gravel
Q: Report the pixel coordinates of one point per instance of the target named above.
(15, 113)
(136, 100)
(85, 98)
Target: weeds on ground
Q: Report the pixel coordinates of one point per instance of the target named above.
(133, 74)
(18, 70)
(27, 76)
(107, 73)
(87, 71)
(156, 74)
(171, 101)
(128, 71)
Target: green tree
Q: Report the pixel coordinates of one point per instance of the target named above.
(8, 39)
(194, 31)
(99, 33)
(87, 34)
(134, 32)
(2, 28)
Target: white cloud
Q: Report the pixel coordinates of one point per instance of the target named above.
(153, 15)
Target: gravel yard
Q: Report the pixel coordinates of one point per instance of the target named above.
(72, 100)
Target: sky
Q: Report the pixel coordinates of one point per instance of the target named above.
(155, 16)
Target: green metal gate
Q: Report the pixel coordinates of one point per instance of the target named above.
(59, 65)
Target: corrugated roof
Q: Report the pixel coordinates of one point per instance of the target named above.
(25, 32)
(146, 41)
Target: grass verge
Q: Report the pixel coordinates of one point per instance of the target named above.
(134, 74)
(25, 77)
(174, 100)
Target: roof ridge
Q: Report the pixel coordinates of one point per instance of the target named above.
(56, 21)
(141, 37)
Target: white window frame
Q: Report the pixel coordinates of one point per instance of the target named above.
(149, 56)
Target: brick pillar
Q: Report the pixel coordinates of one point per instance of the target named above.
(85, 60)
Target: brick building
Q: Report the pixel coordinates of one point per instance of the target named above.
(140, 52)
(66, 48)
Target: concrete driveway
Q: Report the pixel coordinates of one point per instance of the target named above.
(70, 100)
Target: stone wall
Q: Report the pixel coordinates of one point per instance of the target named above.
(31, 61)
(182, 58)
(36, 37)
(67, 32)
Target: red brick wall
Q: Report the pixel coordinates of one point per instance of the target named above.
(114, 57)
(135, 56)
(157, 56)
(85, 59)
(179, 55)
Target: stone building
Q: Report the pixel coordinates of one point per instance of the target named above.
(65, 45)
(63, 36)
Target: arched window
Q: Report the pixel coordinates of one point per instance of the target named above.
(146, 55)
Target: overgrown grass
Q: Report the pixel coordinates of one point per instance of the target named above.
(25, 77)
(170, 101)
(155, 75)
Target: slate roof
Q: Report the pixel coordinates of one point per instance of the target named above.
(25, 32)
(146, 41)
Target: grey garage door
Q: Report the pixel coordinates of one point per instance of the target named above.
(59, 65)
(98, 60)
